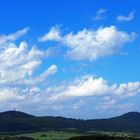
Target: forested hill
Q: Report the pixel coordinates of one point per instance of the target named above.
(18, 121)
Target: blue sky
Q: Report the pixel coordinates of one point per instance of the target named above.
(76, 59)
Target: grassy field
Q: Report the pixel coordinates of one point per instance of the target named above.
(117, 134)
(65, 135)
(52, 135)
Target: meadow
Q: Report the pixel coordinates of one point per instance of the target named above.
(71, 135)
(52, 135)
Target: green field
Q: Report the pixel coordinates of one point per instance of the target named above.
(65, 135)
(52, 135)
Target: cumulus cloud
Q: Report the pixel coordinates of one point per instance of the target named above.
(90, 86)
(131, 88)
(91, 44)
(23, 83)
(94, 93)
(100, 14)
(127, 18)
(18, 63)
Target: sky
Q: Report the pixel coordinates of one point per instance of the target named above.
(74, 58)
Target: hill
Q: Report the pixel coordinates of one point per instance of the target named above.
(18, 121)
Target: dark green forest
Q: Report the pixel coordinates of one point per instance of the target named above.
(14, 121)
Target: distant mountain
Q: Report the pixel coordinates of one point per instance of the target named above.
(9, 114)
(126, 122)
(131, 115)
(11, 121)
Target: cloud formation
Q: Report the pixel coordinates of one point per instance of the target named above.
(91, 44)
(18, 63)
(90, 86)
(24, 84)
(4, 39)
(100, 14)
(127, 18)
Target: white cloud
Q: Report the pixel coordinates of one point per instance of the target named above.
(91, 44)
(54, 34)
(22, 85)
(127, 18)
(8, 94)
(95, 93)
(12, 37)
(100, 14)
(90, 86)
(40, 78)
(35, 90)
(51, 70)
(18, 63)
(131, 88)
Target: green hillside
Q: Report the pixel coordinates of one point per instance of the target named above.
(14, 121)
